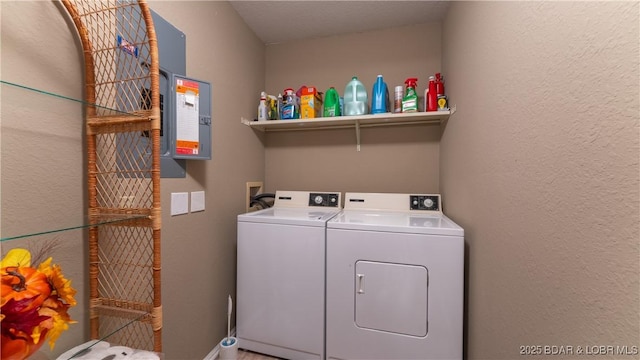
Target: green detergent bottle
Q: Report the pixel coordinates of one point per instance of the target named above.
(331, 103)
(410, 99)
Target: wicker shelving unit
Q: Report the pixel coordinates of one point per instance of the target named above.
(122, 141)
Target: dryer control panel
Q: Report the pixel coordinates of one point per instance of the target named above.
(324, 199)
(425, 202)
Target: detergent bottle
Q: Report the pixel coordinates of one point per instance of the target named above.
(355, 98)
(410, 99)
(331, 103)
(379, 97)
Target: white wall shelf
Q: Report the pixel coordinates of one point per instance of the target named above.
(347, 122)
(340, 122)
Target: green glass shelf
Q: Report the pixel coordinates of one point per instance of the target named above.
(8, 86)
(43, 184)
(35, 204)
(91, 343)
(115, 219)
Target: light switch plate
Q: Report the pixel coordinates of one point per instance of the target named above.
(197, 201)
(179, 203)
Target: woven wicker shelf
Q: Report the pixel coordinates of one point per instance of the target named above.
(109, 120)
(122, 223)
(123, 169)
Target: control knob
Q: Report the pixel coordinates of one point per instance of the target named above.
(428, 202)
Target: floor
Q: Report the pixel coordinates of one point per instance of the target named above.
(250, 355)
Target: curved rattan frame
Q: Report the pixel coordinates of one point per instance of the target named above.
(124, 257)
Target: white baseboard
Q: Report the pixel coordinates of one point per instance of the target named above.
(213, 354)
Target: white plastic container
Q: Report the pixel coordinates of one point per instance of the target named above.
(228, 349)
(355, 98)
(262, 108)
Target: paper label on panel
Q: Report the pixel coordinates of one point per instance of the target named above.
(187, 117)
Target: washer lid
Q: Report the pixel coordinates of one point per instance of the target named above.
(290, 216)
(391, 221)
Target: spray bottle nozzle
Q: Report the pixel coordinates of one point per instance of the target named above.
(411, 82)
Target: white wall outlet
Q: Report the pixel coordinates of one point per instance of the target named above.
(197, 201)
(179, 203)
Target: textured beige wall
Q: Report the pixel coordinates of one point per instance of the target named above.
(522, 165)
(540, 166)
(43, 174)
(199, 249)
(392, 159)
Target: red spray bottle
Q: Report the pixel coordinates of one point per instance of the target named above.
(439, 84)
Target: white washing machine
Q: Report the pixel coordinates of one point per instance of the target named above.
(395, 279)
(281, 275)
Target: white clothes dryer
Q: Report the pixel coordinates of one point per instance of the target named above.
(395, 279)
(281, 275)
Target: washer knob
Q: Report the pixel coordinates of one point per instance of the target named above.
(428, 202)
(318, 200)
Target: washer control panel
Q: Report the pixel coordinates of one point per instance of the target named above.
(324, 199)
(424, 202)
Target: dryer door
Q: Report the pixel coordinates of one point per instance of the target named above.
(391, 297)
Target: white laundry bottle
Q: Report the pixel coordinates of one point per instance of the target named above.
(355, 98)
(262, 108)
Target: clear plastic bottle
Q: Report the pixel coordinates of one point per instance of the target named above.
(355, 98)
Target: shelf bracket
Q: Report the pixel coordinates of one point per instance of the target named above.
(357, 135)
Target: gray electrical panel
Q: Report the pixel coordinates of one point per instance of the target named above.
(185, 104)
(172, 54)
